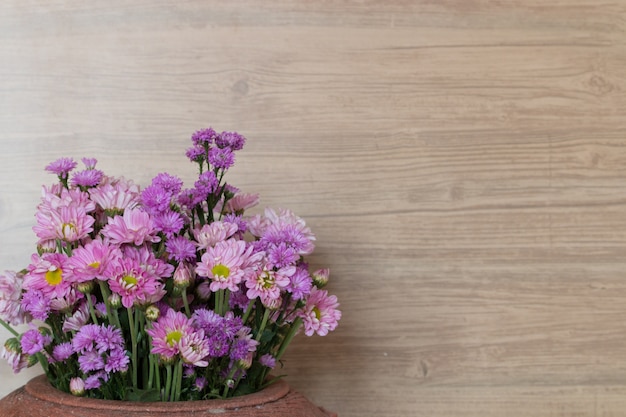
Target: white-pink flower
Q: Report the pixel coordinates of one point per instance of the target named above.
(210, 234)
(223, 264)
(10, 294)
(135, 226)
(320, 314)
(116, 195)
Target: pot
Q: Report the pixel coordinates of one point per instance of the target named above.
(40, 399)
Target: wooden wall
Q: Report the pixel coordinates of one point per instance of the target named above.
(462, 163)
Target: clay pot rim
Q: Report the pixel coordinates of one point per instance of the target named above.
(40, 388)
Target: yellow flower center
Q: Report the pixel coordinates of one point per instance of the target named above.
(94, 265)
(130, 281)
(266, 280)
(318, 313)
(173, 337)
(54, 276)
(220, 270)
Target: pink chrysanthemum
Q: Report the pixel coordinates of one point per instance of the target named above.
(134, 284)
(92, 261)
(223, 264)
(46, 274)
(267, 284)
(242, 202)
(211, 234)
(116, 196)
(320, 315)
(167, 333)
(10, 294)
(68, 224)
(135, 226)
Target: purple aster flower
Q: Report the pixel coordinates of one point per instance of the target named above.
(167, 182)
(37, 304)
(61, 167)
(206, 184)
(180, 249)
(33, 342)
(222, 158)
(85, 339)
(90, 163)
(242, 225)
(117, 361)
(268, 361)
(109, 338)
(232, 140)
(282, 255)
(90, 361)
(200, 383)
(169, 222)
(238, 299)
(93, 381)
(204, 137)
(196, 153)
(155, 199)
(300, 285)
(87, 178)
(62, 351)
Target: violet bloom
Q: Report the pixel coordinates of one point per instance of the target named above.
(196, 153)
(33, 342)
(268, 361)
(204, 136)
(221, 158)
(300, 284)
(180, 249)
(61, 167)
(232, 140)
(62, 351)
(320, 314)
(35, 303)
(156, 199)
(87, 178)
(169, 183)
(206, 184)
(169, 223)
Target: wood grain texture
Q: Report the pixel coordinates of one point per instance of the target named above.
(462, 164)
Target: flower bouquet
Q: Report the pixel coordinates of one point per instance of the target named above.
(162, 293)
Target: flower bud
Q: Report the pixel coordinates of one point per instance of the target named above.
(77, 386)
(320, 277)
(85, 287)
(182, 276)
(47, 246)
(152, 312)
(245, 363)
(115, 301)
(272, 304)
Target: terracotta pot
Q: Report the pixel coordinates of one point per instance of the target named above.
(39, 399)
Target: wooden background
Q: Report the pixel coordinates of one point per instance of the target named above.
(461, 162)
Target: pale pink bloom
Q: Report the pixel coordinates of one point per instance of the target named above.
(320, 314)
(282, 219)
(239, 203)
(267, 284)
(46, 273)
(77, 320)
(135, 226)
(223, 264)
(14, 357)
(116, 195)
(215, 232)
(194, 348)
(67, 302)
(10, 295)
(52, 199)
(146, 258)
(68, 224)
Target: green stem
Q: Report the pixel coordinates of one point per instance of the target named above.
(186, 302)
(168, 382)
(9, 328)
(92, 311)
(248, 311)
(179, 381)
(266, 315)
(292, 332)
(228, 378)
(105, 297)
(133, 338)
